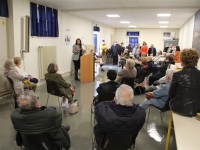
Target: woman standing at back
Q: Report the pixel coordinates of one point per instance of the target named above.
(78, 52)
(184, 92)
(144, 48)
(177, 54)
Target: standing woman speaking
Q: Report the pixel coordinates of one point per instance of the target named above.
(78, 52)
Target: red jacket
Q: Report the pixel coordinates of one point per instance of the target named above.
(144, 49)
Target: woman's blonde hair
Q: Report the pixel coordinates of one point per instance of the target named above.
(144, 60)
(17, 59)
(9, 64)
(52, 68)
(130, 64)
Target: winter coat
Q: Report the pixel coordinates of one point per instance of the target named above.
(117, 119)
(184, 92)
(47, 120)
(63, 86)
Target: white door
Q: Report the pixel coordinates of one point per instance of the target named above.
(4, 85)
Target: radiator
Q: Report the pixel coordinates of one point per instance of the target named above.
(46, 55)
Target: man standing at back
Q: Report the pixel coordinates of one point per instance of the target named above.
(31, 118)
(120, 116)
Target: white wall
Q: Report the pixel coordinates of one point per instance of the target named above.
(79, 28)
(151, 36)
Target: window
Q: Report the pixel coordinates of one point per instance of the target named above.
(132, 33)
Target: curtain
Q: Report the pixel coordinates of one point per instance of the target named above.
(42, 29)
(49, 21)
(3, 8)
(55, 30)
(34, 20)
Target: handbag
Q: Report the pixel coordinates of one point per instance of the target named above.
(73, 107)
(27, 83)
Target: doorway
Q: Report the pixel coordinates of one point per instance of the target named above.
(133, 41)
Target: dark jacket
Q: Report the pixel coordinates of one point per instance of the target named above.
(162, 69)
(63, 86)
(47, 120)
(184, 92)
(116, 50)
(129, 47)
(150, 65)
(142, 72)
(154, 51)
(108, 87)
(165, 49)
(117, 119)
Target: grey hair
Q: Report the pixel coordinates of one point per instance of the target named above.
(9, 64)
(130, 64)
(52, 68)
(28, 100)
(124, 95)
(169, 73)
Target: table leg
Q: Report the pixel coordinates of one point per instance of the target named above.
(169, 131)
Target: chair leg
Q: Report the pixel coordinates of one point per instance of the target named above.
(148, 117)
(161, 118)
(59, 102)
(47, 100)
(11, 101)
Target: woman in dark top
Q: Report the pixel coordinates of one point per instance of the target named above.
(78, 52)
(184, 92)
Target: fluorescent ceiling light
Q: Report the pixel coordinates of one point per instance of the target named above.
(163, 26)
(163, 22)
(114, 15)
(132, 26)
(163, 15)
(124, 22)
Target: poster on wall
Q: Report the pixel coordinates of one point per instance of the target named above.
(68, 37)
(166, 35)
(196, 32)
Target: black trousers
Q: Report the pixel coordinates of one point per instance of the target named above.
(153, 78)
(115, 60)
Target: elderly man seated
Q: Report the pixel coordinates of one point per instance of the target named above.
(159, 97)
(29, 118)
(120, 116)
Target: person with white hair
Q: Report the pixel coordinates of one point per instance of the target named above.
(129, 71)
(31, 118)
(120, 116)
(159, 97)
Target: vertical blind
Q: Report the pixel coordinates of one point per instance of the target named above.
(3, 8)
(44, 21)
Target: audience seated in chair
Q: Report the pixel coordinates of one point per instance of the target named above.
(120, 116)
(16, 77)
(159, 97)
(31, 118)
(64, 87)
(20, 70)
(159, 82)
(143, 71)
(107, 87)
(129, 71)
(159, 70)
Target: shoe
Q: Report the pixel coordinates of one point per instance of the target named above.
(77, 79)
(67, 127)
(102, 69)
(133, 146)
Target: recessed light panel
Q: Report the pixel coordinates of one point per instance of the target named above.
(163, 26)
(124, 22)
(113, 15)
(163, 22)
(163, 15)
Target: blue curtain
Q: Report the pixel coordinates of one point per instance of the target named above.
(55, 30)
(42, 30)
(3, 8)
(133, 41)
(34, 20)
(49, 21)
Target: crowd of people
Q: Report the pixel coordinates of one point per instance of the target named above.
(153, 71)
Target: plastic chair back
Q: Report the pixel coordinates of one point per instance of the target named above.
(128, 81)
(38, 141)
(116, 141)
(52, 88)
(106, 97)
